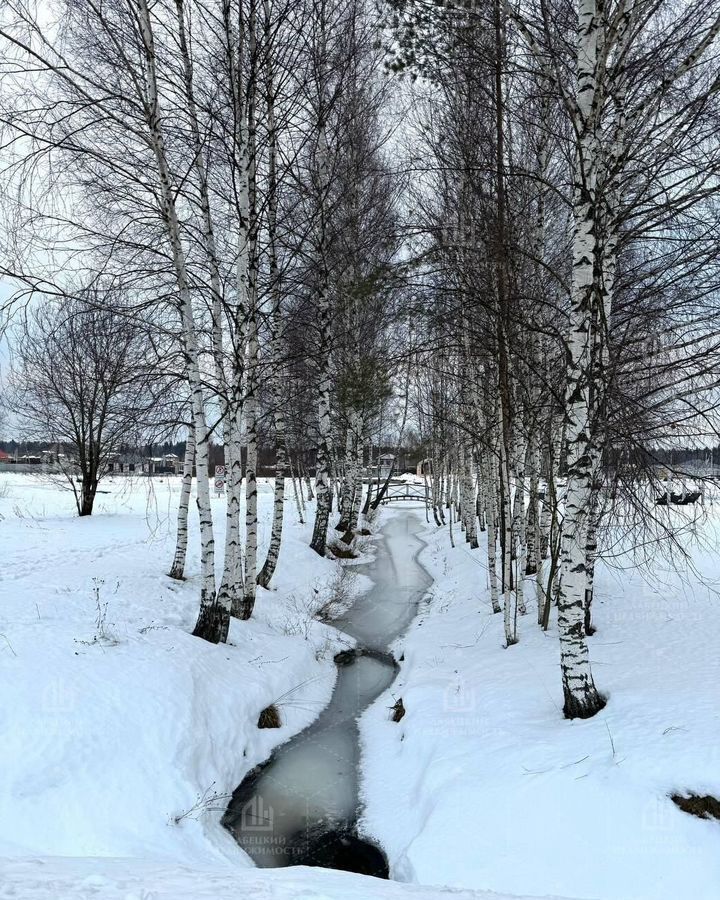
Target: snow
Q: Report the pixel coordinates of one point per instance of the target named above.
(483, 783)
(121, 738)
(110, 732)
(314, 778)
(114, 879)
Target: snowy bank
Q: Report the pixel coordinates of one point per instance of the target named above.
(484, 784)
(122, 735)
(131, 879)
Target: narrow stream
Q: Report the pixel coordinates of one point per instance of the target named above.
(301, 807)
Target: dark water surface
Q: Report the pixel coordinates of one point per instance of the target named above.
(301, 807)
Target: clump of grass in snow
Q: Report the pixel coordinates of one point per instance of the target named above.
(704, 806)
(269, 717)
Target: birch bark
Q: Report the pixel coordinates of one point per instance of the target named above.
(323, 488)
(582, 699)
(321, 185)
(177, 570)
(253, 346)
(491, 517)
(232, 564)
(213, 619)
(297, 489)
(268, 569)
(519, 522)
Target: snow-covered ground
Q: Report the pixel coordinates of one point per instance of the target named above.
(121, 735)
(483, 783)
(133, 879)
(115, 721)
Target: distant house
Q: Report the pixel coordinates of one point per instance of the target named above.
(136, 464)
(52, 456)
(385, 464)
(395, 463)
(117, 466)
(5, 457)
(168, 464)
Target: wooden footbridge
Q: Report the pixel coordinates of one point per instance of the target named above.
(406, 492)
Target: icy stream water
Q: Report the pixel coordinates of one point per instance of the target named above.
(293, 809)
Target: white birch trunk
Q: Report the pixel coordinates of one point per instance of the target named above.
(533, 516)
(231, 582)
(582, 699)
(519, 523)
(491, 517)
(436, 492)
(481, 503)
(251, 519)
(297, 489)
(323, 486)
(232, 564)
(253, 347)
(213, 618)
(308, 486)
(268, 568)
(469, 500)
(509, 611)
(347, 483)
(177, 570)
(356, 484)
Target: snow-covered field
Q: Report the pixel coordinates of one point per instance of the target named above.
(137, 879)
(115, 720)
(483, 783)
(122, 735)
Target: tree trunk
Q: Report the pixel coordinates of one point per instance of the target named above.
(357, 481)
(519, 534)
(251, 519)
(253, 347)
(347, 483)
(177, 570)
(297, 489)
(268, 569)
(232, 576)
(321, 176)
(469, 500)
(506, 541)
(323, 488)
(213, 619)
(87, 494)
(309, 489)
(490, 494)
(582, 699)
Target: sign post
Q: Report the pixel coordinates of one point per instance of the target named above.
(219, 480)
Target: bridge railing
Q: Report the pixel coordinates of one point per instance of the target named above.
(406, 491)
